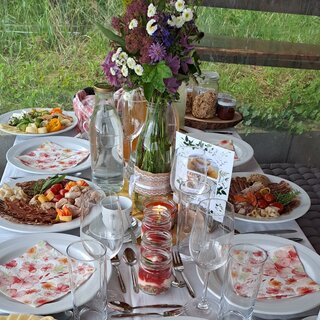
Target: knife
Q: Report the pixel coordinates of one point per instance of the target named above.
(280, 231)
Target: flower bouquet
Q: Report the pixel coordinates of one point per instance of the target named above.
(152, 47)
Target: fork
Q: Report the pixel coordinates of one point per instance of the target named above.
(178, 266)
(115, 261)
(170, 313)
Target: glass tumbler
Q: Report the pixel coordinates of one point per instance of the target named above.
(89, 298)
(241, 281)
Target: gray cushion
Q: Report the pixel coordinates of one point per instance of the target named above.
(307, 178)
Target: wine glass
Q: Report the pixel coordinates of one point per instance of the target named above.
(132, 108)
(189, 164)
(209, 244)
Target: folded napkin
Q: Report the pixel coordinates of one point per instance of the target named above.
(39, 276)
(228, 144)
(283, 276)
(51, 156)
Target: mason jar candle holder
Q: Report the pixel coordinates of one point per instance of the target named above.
(162, 203)
(156, 239)
(155, 271)
(155, 220)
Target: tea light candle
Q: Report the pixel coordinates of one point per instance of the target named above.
(159, 204)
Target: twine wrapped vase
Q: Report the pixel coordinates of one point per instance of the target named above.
(155, 151)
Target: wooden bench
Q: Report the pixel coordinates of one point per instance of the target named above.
(262, 52)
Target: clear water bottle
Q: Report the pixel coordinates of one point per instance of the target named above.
(106, 141)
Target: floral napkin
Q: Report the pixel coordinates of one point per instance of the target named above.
(39, 276)
(283, 276)
(51, 156)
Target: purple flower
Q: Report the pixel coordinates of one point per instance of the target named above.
(172, 85)
(157, 52)
(112, 71)
(185, 44)
(173, 63)
(185, 63)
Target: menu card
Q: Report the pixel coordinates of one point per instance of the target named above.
(219, 164)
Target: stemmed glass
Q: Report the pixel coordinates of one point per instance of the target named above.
(132, 108)
(189, 165)
(209, 244)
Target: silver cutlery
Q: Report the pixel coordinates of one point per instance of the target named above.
(170, 313)
(125, 307)
(130, 258)
(178, 266)
(115, 261)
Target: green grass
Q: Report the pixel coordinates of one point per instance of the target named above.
(50, 49)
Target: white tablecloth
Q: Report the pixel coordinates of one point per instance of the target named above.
(174, 295)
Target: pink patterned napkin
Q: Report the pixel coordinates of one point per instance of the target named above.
(39, 276)
(51, 156)
(283, 276)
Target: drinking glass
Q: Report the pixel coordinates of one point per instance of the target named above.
(132, 108)
(209, 244)
(189, 164)
(90, 297)
(241, 281)
(103, 221)
(190, 194)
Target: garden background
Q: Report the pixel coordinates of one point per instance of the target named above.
(50, 49)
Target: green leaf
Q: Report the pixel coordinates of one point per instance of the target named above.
(148, 91)
(153, 77)
(51, 181)
(111, 35)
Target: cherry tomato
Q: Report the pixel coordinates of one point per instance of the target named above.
(63, 192)
(278, 205)
(57, 197)
(262, 203)
(268, 197)
(56, 188)
(251, 198)
(258, 195)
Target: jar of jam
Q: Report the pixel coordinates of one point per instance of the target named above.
(155, 220)
(155, 271)
(226, 106)
(160, 202)
(156, 239)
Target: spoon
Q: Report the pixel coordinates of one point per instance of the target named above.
(125, 307)
(130, 258)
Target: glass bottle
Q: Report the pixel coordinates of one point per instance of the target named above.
(106, 141)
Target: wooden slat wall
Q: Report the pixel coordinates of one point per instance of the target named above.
(305, 7)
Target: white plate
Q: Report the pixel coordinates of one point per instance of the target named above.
(296, 213)
(243, 150)
(4, 118)
(311, 318)
(30, 145)
(283, 307)
(28, 228)
(136, 224)
(179, 318)
(15, 247)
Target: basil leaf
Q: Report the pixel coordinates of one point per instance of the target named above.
(51, 181)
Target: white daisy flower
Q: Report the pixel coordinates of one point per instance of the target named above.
(151, 27)
(179, 5)
(138, 69)
(119, 62)
(180, 22)
(152, 10)
(172, 21)
(123, 56)
(187, 14)
(114, 57)
(119, 50)
(131, 63)
(112, 71)
(124, 71)
(133, 24)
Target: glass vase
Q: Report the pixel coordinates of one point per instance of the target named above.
(155, 151)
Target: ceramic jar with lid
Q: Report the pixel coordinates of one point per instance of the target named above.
(226, 106)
